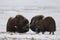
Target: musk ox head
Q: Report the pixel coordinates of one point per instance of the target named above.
(22, 25)
(34, 23)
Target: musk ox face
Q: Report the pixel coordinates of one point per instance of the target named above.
(20, 23)
(34, 23)
(24, 29)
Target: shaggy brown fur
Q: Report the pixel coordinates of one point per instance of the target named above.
(34, 23)
(41, 24)
(22, 24)
(18, 24)
(49, 25)
(11, 25)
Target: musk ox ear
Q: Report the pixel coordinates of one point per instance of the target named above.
(10, 27)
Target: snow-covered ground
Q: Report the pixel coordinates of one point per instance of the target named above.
(29, 13)
(29, 8)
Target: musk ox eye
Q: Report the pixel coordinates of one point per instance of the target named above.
(25, 22)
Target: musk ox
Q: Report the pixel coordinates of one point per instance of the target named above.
(42, 24)
(18, 24)
(49, 25)
(34, 23)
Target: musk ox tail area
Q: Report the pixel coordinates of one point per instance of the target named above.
(49, 24)
(10, 27)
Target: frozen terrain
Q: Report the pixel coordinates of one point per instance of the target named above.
(29, 13)
(29, 8)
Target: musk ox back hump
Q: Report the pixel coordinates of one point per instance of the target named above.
(21, 20)
(36, 18)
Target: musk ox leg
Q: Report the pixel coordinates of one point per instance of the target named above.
(42, 32)
(50, 33)
(37, 31)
